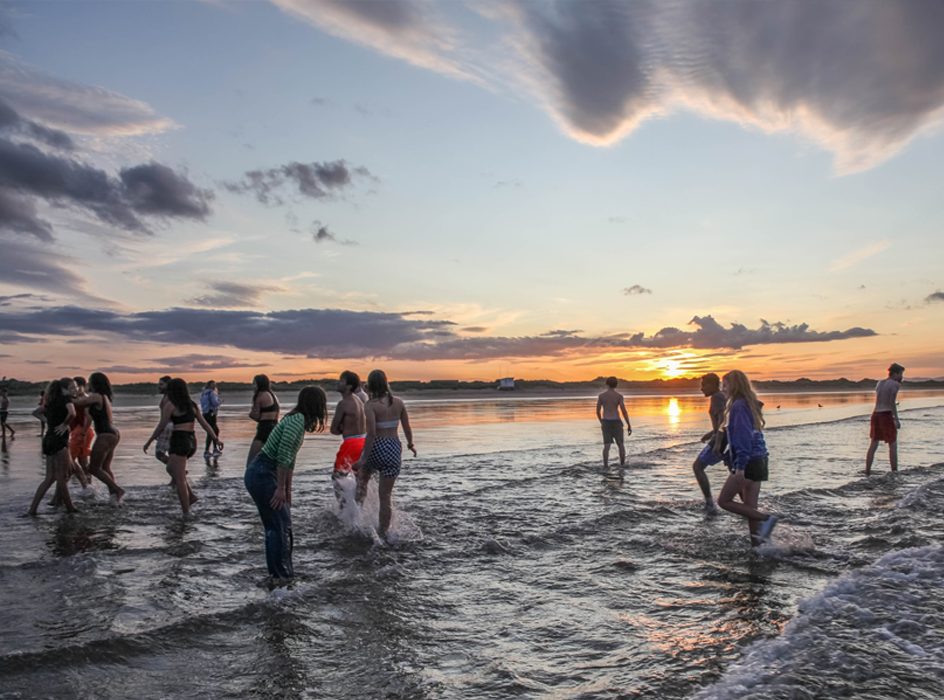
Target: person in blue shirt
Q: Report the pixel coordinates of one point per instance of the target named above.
(746, 456)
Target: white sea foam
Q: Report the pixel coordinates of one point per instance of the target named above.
(883, 620)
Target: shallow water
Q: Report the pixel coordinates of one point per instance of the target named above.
(520, 567)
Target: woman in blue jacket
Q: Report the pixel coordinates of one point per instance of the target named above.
(746, 457)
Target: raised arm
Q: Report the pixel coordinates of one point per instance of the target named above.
(63, 427)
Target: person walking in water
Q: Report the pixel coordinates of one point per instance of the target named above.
(55, 443)
(265, 411)
(609, 405)
(746, 457)
(382, 447)
(710, 387)
(269, 478)
(81, 436)
(885, 424)
(98, 403)
(4, 412)
(210, 407)
(163, 440)
(181, 412)
(350, 422)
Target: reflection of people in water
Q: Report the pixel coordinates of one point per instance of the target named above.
(710, 387)
(885, 424)
(182, 413)
(269, 477)
(747, 455)
(98, 402)
(265, 411)
(59, 413)
(382, 447)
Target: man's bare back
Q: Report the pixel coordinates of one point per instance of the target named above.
(349, 419)
(611, 402)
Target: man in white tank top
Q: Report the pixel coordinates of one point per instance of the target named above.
(885, 424)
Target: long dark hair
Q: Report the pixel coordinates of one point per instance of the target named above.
(262, 385)
(313, 404)
(179, 395)
(377, 386)
(54, 396)
(99, 384)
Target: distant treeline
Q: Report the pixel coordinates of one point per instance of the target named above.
(19, 388)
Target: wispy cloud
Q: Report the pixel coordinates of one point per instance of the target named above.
(635, 290)
(309, 180)
(857, 256)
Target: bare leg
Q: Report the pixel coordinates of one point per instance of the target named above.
(870, 457)
(254, 449)
(62, 470)
(622, 449)
(386, 506)
(177, 466)
(748, 506)
(893, 455)
(363, 479)
(41, 490)
(103, 450)
(699, 470)
(606, 455)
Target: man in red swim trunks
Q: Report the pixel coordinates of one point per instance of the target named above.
(350, 422)
(885, 423)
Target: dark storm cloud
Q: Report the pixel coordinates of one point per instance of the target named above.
(22, 265)
(312, 180)
(233, 295)
(636, 289)
(151, 190)
(183, 364)
(11, 121)
(818, 67)
(336, 334)
(323, 333)
(937, 296)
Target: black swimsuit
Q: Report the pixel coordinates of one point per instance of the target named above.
(267, 425)
(183, 443)
(56, 415)
(100, 419)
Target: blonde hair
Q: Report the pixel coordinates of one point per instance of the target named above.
(739, 387)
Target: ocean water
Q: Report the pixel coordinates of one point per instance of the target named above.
(519, 567)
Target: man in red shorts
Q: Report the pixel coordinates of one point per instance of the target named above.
(885, 423)
(350, 422)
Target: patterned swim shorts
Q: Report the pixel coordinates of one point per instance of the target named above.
(385, 456)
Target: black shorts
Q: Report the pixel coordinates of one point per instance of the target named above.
(756, 469)
(612, 430)
(3, 417)
(183, 443)
(265, 427)
(53, 442)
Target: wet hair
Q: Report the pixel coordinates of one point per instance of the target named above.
(612, 382)
(377, 386)
(711, 380)
(896, 369)
(351, 379)
(54, 392)
(739, 387)
(79, 381)
(99, 384)
(262, 385)
(179, 395)
(313, 404)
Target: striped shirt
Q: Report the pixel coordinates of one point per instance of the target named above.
(285, 440)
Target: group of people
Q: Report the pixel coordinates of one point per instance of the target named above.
(736, 438)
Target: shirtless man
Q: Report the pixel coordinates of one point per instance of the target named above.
(4, 412)
(885, 423)
(609, 405)
(710, 387)
(350, 422)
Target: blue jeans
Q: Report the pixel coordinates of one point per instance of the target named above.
(261, 481)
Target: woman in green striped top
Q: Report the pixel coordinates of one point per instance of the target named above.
(269, 477)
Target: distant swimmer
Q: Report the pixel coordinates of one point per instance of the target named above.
(4, 412)
(269, 478)
(710, 387)
(609, 405)
(885, 424)
(265, 411)
(182, 413)
(59, 413)
(382, 448)
(746, 457)
(349, 421)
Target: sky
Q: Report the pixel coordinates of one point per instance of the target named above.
(471, 189)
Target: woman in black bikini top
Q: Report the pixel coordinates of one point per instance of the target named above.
(265, 411)
(98, 403)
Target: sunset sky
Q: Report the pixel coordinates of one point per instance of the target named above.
(471, 189)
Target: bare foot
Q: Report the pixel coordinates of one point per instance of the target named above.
(118, 496)
(193, 498)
